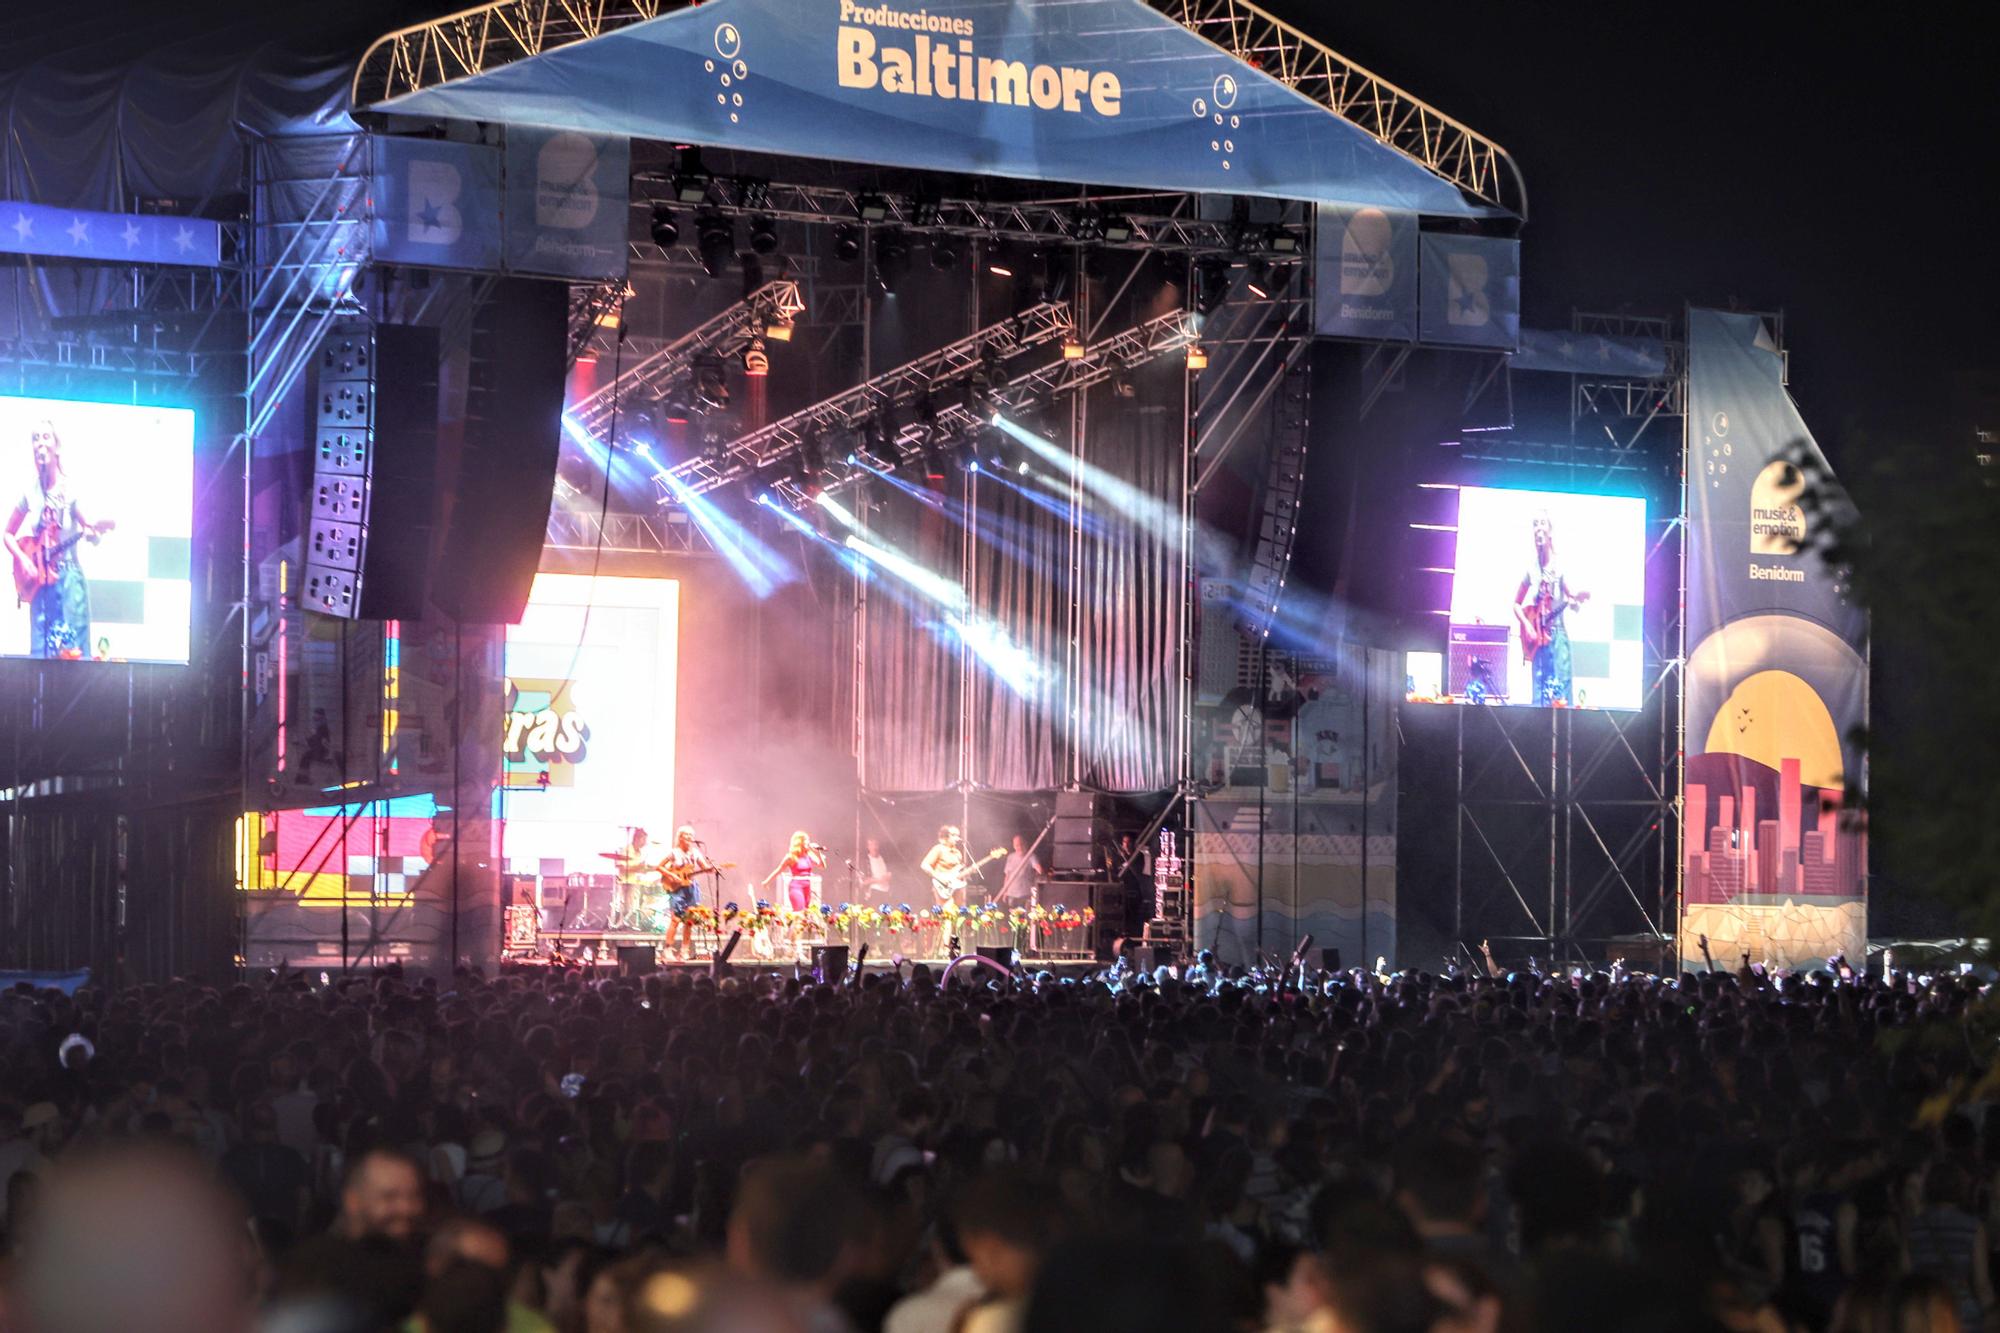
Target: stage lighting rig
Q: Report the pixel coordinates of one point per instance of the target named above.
(1089, 224)
(666, 229)
(871, 207)
(1118, 229)
(944, 251)
(753, 194)
(1001, 259)
(711, 385)
(764, 234)
(1282, 241)
(847, 242)
(1211, 283)
(1259, 283)
(892, 257)
(756, 361)
(715, 238)
(925, 211)
(690, 181)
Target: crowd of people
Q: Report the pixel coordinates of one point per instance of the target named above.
(916, 1153)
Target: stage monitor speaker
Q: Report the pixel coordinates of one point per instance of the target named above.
(829, 963)
(638, 960)
(499, 513)
(998, 953)
(374, 485)
(1329, 960)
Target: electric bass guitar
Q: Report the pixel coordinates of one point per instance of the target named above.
(1535, 616)
(944, 887)
(44, 557)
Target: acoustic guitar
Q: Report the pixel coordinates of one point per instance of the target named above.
(676, 880)
(44, 558)
(1535, 617)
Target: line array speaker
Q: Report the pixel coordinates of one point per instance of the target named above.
(369, 517)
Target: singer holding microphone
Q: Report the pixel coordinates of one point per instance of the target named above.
(801, 867)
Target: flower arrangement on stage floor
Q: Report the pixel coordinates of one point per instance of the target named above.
(924, 932)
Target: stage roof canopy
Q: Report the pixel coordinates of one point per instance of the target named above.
(1099, 92)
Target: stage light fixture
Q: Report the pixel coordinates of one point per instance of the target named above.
(812, 455)
(1259, 280)
(1282, 241)
(674, 409)
(994, 368)
(892, 258)
(690, 180)
(1089, 224)
(1197, 357)
(1002, 260)
(847, 242)
(779, 331)
(666, 227)
(753, 272)
(710, 383)
(1122, 383)
(756, 361)
(753, 194)
(1211, 283)
(1072, 348)
(715, 238)
(764, 234)
(944, 251)
(1118, 229)
(871, 207)
(925, 211)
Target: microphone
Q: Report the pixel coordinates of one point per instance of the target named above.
(816, 846)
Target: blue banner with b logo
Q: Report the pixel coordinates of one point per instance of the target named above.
(566, 201)
(437, 204)
(1471, 290)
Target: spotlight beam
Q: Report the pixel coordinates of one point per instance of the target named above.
(756, 564)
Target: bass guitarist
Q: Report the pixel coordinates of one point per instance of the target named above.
(950, 866)
(1540, 606)
(42, 535)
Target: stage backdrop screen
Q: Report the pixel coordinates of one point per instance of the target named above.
(99, 519)
(1548, 603)
(588, 751)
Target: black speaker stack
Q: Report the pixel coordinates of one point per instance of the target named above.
(384, 539)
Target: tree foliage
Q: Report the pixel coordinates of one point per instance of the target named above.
(1920, 545)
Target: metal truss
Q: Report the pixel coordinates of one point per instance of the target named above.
(1142, 343)
(667, 532)
(1158, 221)
(589, 305)
(1446, 147)
(476, 40)
(725, 335)
(906, 385)
(1612, 397)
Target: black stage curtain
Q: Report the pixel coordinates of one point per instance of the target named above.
(1121, 680)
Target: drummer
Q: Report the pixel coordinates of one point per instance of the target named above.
(637, 878)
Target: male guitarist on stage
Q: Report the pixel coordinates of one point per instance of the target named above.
(41, 536)
(681, 872)
(1540, 604)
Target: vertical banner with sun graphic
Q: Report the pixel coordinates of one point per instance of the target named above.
(1775, 859)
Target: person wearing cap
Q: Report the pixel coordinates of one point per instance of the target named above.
(484, 1185)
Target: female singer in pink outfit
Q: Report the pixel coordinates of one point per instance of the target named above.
(801, 868)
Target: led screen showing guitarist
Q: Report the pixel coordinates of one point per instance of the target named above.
(47, 525)
(1540, 603)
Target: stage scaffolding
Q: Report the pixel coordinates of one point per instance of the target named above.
(1567, 836)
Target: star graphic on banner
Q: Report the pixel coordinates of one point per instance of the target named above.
(24, 226)
(130, 234)
(79, 231)
(1566, 347)
(429, 216)
(1468, 301)
(183, 239)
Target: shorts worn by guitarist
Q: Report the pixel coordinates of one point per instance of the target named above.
(42, 534)
(1540, 606)
(950, 867)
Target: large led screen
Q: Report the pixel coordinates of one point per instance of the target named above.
(588, 750)
(99, 519)
(1548, 603)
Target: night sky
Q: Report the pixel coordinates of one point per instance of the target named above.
(1817, 159)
